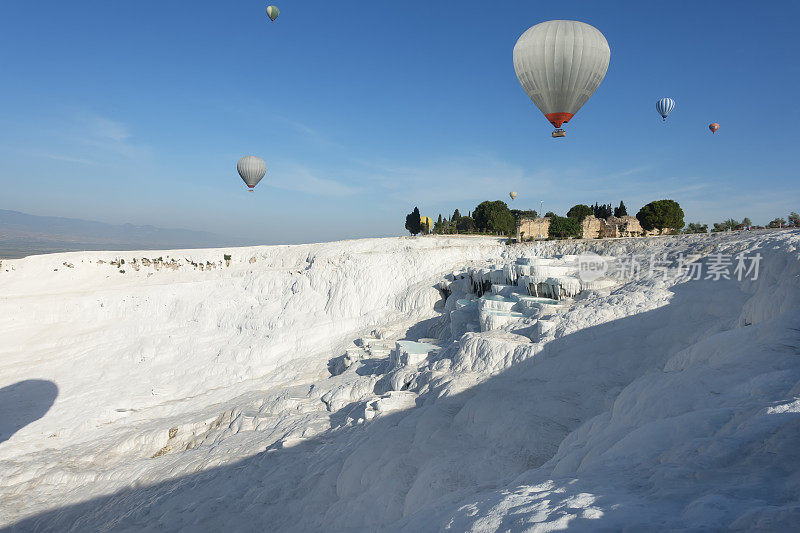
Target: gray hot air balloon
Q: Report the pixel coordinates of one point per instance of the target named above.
(560, 63)
(251, 169)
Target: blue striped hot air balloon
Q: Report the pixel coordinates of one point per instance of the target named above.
(665, 107)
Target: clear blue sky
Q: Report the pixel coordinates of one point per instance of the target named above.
(138, 111)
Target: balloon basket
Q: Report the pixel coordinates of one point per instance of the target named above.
(559, 133)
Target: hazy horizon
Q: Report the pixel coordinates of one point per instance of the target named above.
(25, 234)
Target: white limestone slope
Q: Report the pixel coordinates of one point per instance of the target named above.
(164, 340)
(202, 398)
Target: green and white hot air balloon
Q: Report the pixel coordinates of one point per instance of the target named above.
(273, 12)
(251, 169)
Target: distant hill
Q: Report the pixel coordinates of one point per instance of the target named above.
(22, 234)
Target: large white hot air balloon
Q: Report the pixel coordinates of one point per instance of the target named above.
(560, 63)
(251, 169)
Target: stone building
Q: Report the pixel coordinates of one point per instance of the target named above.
(611, 227)
(533, 228)
(626, 226)
(591, 228)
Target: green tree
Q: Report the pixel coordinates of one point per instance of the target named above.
(621, 211)
(456, 216)
(747, 222)
(563, 227)
(777, 223)
(519, 214)
(794, 218)
(579, 212)
(550, 214)
(494, 216)
(465, 224)
(696, 227)
(413, 223)
(602, 211)
(661, 214)
(439, 226)
(725, 225)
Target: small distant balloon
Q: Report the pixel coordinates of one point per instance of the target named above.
(513, 194)
(273, 12)
(665, 107)
(713, 127)
(251, 169)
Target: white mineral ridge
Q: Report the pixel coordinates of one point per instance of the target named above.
(269, 392)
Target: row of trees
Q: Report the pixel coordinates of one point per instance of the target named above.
(497, 219)
(606, 211)
(659, 214)
(488, 217)
(457, 223)
(733, 224)
(793, 222)
(582, 211)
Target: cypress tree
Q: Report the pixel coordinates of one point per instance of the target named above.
(413, 224)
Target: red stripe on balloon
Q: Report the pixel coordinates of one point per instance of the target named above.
(557, 119)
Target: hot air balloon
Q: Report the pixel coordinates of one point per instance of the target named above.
(513, 194)
(273, 12)
(251, 169)
(665, 107)
(713, 127)
(560, 63)
(427, 223)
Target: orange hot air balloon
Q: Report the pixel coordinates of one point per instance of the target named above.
(713, 127)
